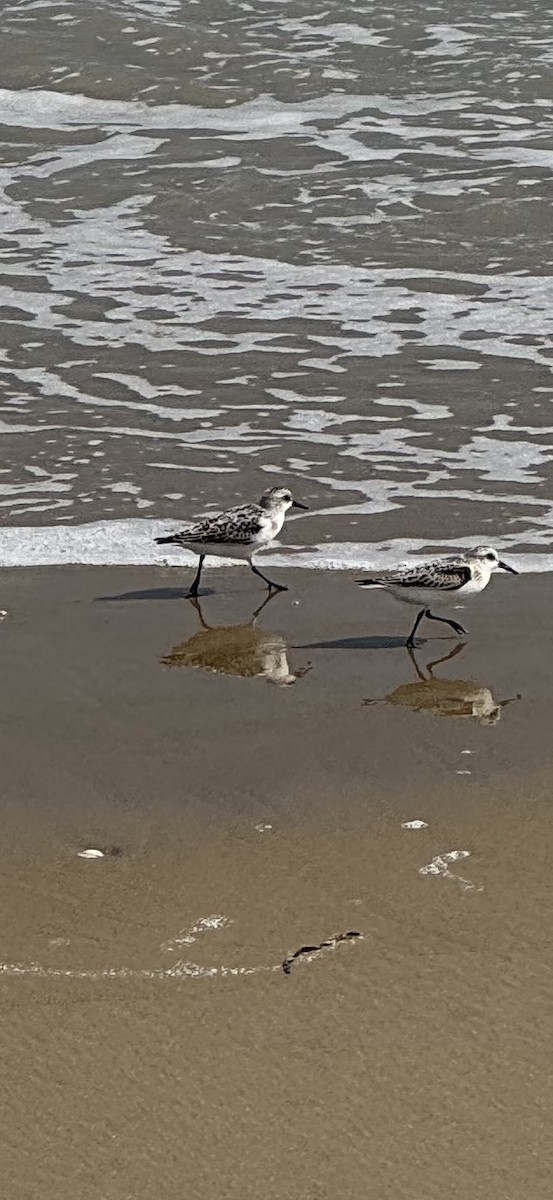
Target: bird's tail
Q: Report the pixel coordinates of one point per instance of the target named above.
(174, 539)
(370, 582)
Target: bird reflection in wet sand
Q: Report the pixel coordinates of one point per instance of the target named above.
(236, 650)
(446, 697)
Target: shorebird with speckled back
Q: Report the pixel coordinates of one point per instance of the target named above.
(438, 582)
(237, 533)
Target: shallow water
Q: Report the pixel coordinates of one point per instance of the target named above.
(278, 238)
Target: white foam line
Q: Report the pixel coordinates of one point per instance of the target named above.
(262, 116)
(131, 542)
(179, 971)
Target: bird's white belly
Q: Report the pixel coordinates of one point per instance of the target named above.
(221, 549)
(422, 597)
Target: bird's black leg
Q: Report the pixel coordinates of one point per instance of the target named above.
(411, 654)
(278, 587)
(454, 624)
(194, 600)
(194, 589)
(260, 607)
(444, 658)
(411, 639)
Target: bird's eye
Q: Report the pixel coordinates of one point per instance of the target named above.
(491, 556)
(287, 496)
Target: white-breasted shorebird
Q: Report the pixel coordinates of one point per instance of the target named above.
(237, 533)
(441, 581)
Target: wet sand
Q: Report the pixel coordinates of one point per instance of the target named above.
(152, 1045)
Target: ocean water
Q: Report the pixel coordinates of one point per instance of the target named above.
(275, 240)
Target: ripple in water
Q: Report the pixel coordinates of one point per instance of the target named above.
(224, 258)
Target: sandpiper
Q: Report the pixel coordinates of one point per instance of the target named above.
(237, 533)
(438, 582)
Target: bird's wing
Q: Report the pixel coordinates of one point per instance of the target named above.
(237, 526)
(444, 576)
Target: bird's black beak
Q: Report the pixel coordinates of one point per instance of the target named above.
(296, 504)
(506, 567)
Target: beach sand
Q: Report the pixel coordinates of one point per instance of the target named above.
(152, 1045)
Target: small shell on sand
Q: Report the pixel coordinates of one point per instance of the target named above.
(415, 825)
(105, 852)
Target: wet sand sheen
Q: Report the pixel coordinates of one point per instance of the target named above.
(375, 1065)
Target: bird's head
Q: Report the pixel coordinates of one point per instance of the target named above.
(490, 558)
(279, 499)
